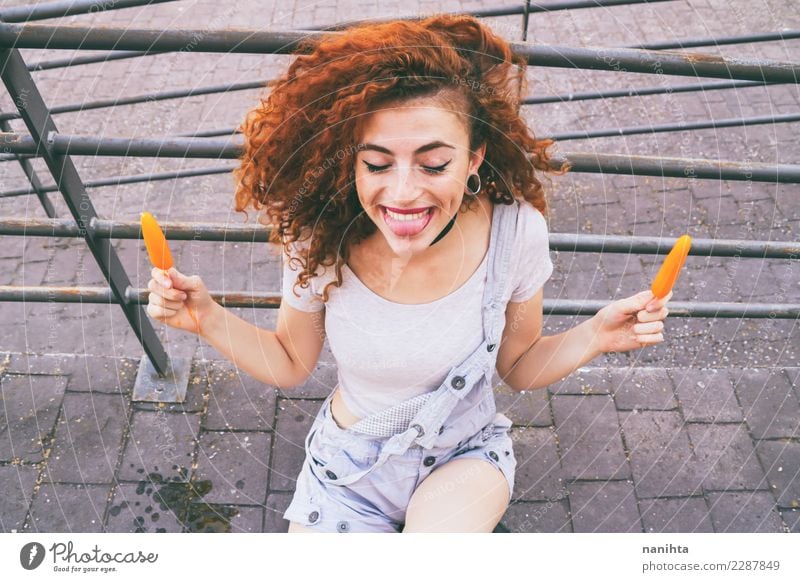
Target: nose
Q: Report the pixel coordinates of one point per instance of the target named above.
(402, 187)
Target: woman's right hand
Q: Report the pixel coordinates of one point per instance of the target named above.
(173, 294)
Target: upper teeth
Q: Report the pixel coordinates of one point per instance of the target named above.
(415, 216)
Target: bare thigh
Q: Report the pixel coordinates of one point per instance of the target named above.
(295, 527)
(463, 495)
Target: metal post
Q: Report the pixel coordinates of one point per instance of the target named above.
(174, 376)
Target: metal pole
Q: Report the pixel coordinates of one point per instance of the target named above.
(273, 301)
(285, 42)
(667, 127)
(61, 8)
(210, 231)
(36, 184)
(25, 95)
(130, 180)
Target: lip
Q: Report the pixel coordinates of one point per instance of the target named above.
(408, 210)
(411, 228)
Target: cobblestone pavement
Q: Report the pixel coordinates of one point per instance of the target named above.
(700, 433)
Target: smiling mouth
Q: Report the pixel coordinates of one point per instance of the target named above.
(409, 222)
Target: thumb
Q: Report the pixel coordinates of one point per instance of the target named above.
(181, 281)
(635, 303)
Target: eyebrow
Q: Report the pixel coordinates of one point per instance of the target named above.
(428, 146)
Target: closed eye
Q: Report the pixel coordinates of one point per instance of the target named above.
(430, 169)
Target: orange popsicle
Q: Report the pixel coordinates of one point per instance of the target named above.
(158, 249)
(156, 242)
(671, 268)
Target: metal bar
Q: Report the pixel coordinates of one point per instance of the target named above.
(129, 180)
(210, 231)
(33, 178)
(719, 41)
(533, 7)
(90, 59)
(273, 301)
(284, 42)
(525, 19)
(632, 92)
(25, 94)
(147, 98)
(677, 167)
(668, 127)
(553, 6)
(61, 8)
(580, 162)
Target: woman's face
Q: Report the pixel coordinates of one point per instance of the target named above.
(413, 157)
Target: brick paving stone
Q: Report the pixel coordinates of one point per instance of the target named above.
(101, 374)
(88, 438)
(28, 363)
(273, 512)
(66, 507)
(238, 401)
(584, 381)
(538, 517)
(676, 515)
(770, 406)
(589, 438)
(528, 408)
(147, 507)
(781, 461)
(744, 512)
(643, 389)
(660, 454)
(236, 465)
(706, 395)
(538, 473)
(28, 410)
(160, 443)
(604, 506)
(288, 450)
(16, 483)
(726, 458)
(222, 518)
(792, 519)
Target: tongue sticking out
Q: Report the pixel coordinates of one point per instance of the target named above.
(407, 227)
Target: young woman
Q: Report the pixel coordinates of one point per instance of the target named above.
(402, 185)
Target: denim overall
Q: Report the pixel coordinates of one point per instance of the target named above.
(358, 479)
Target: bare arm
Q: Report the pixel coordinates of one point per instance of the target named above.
(282, 358)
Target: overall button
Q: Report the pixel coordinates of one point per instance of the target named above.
(343, 526)
(429, 461)
(490, 348)
(493, 455)
(330, 474)
(441, 429)
(458, 382)
(313, 517)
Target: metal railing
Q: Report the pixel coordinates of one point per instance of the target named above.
(56, 150)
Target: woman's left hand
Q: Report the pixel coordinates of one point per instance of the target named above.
(626, 324)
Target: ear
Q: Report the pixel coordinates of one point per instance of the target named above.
(476, 158)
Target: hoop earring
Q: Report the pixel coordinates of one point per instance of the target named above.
(470, 191)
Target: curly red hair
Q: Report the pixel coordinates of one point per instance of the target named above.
(300, 141)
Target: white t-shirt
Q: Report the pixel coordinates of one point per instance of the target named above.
(387, 352)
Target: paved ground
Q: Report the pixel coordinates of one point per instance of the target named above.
(701, 433)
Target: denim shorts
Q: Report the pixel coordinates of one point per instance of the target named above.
(378, 501)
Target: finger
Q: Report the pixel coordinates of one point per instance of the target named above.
(650, 339)
(170, 294)
(648, 328)
(657, 304)
(644, 316)
(160, 313)
(160, 301)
